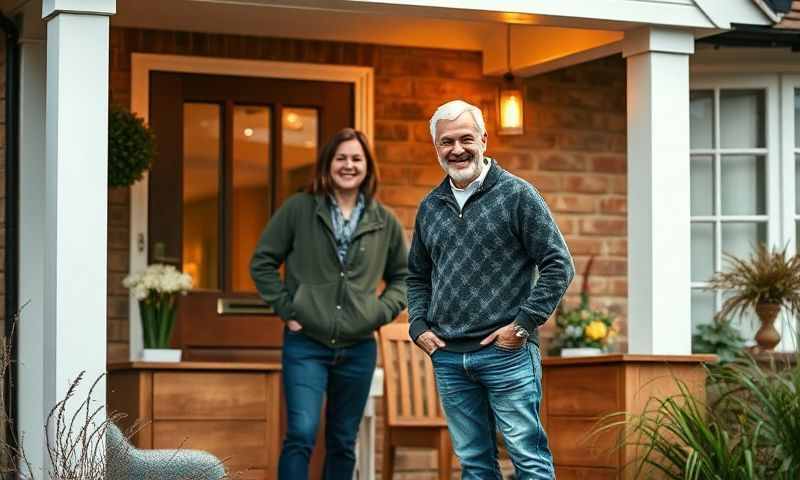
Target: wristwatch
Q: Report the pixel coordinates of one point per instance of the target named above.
(521, 332)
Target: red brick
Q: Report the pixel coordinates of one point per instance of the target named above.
(566, 225)
(609, 267)
(619, 287)
(430, 176)
(559, 162)
(586, 183)
(391, 131)
(542, 181)
(619, 184)
(393, 174)
(584, 246)
(402, 196)
(584, 141)
(118, 260)
(605, 227)
(617, 247)
(614, 205)
(392, 87)
(561, 203)
(609, 164)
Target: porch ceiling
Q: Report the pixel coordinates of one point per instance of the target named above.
(537, 41)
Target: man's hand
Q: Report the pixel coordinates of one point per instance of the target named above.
(293, 325)
(429, 342)
(505, 337)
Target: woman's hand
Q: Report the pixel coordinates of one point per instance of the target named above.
(293, 326)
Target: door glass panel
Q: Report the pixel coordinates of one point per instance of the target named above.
(201, 179)
(742, 119)
(744, 183)
(740, 238)
(702, 182)
(701, 115)
(702, 251)
(702, 307)
(300, 141)
(251, 192)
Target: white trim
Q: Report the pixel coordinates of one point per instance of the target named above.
(584, 56)
(362, 78)
(779, 89)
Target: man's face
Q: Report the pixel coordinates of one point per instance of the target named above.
(460, 146)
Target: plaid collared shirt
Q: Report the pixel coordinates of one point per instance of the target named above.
(343, 228)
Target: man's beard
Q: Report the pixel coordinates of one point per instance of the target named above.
(463, 176)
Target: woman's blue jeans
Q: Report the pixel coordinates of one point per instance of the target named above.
(488, 390)
(313, 372)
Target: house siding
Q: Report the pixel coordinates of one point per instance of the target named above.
(573, 149)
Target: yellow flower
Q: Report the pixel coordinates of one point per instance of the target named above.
(596, 330)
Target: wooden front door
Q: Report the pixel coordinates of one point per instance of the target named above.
(230, 150)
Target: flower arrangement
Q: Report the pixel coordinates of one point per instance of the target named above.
(156, 288)
(583, 327)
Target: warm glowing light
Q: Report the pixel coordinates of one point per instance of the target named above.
(248, 132)
(292, 121)
(511, 112)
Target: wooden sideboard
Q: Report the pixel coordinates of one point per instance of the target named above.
(232, 410)
(582, 390)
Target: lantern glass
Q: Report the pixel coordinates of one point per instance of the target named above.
(511, 112)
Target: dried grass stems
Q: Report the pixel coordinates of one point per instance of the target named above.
(767, 277)
(77, 440)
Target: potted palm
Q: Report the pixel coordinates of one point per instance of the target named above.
(156, 288)
(766, 283)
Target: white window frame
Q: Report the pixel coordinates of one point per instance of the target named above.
(780, 165)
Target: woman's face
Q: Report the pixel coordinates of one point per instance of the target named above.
(349, 166)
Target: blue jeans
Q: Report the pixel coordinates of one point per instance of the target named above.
(491, 388)
(312, 371)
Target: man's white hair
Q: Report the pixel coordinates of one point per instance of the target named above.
(452, 110)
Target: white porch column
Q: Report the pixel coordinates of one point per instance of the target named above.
(30, 328)
(659, 308)
(76, 130)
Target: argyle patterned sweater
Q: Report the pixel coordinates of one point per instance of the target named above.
(473, 270)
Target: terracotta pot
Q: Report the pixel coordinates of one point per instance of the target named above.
(767, 337)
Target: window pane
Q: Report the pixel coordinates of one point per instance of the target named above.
(797, 117)
(251, 192)
(300, 139)
(797, 183)
(201, 172)
(702, 181)
(702, 308)
(742, 120)
(702, 251)
(747, 324)
(701, 116)
(744, 183)
(740, 238)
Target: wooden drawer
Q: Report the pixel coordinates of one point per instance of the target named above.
(585, 391)
(204, 396)
(240, 444)
(573, 473)
(571, 444)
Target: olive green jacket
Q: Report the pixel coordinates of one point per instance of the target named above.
(336, 304)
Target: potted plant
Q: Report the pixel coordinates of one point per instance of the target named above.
(131, 147)
(583, 331)
(720, 338)
(765, 283)
(156, 288)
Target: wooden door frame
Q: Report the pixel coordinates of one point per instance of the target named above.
(142, 64)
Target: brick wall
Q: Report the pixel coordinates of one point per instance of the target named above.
(573, 149)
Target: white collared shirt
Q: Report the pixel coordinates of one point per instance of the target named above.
(463, 194)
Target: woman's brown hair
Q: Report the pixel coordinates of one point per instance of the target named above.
(323, 182)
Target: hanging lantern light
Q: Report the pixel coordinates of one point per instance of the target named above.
(510, 105)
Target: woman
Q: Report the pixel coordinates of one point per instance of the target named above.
(337, 242)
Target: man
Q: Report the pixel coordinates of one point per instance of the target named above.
(474, 302)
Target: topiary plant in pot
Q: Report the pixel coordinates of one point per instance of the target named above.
(766, 282)
(131, 147)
